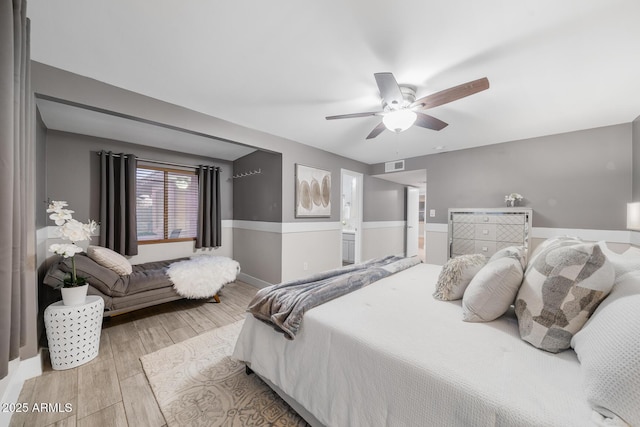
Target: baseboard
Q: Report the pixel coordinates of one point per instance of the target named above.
(253, 281)
(11, 386)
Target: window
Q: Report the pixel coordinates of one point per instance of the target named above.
(166, 204)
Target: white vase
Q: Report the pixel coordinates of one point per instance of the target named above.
(75, 295)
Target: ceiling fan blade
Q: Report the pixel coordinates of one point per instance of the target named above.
(451, 94)
(351, 116)
(429, 122)
(389, 89)
(376, 131)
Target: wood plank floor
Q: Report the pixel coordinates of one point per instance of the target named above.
(112, 389)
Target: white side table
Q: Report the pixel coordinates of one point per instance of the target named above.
(74, 332)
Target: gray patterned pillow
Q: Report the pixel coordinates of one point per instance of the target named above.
(562, 286)
(553, 242)
(456, 276)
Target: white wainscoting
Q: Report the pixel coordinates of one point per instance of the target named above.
(271, 252)
(306, 247)
(381, 238)
(309, 252)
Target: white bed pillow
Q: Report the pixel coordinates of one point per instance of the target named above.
(608, 347)
(456, 275)
(622, 263)
(562, 286)
(517, 252)
(493, 290)
(110, 259)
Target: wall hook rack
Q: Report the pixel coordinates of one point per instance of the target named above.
(246, 174)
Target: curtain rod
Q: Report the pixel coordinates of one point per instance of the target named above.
(99, 153)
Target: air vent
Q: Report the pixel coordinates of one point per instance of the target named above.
(396, 166)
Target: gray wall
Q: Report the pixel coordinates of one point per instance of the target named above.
(41, 167)
(56, 83)
(383, 200)
(73, 170)
(636, 160)
(308, 156)
(573, 180)
(258, 197)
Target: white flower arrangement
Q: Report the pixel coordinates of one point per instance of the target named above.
(513, 197)
(72, 230)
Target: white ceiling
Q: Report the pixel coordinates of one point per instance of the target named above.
(70, 118)
(281, 66)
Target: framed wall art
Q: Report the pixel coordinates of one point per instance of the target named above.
(313, 192)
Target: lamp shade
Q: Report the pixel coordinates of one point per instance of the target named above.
(399, 120)
(633, 216)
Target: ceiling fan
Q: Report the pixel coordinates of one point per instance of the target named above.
(400, 108)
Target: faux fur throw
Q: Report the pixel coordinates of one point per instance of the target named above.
(202, 276)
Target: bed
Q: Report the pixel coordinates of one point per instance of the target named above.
(390, 354)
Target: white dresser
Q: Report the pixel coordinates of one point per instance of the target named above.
(485, 231)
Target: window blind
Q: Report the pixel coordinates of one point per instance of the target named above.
(167, 204)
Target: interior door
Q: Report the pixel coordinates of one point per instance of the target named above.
(352, 217)
(412, 227)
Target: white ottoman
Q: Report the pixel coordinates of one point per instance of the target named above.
(74, 332)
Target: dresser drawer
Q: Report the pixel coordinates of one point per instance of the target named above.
(511, 219)
(485, 218)
(510, 233)
(485, 232)
(463, 230)
(462, 218)
(485, 248)
(463, 247)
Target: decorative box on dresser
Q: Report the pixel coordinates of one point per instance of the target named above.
(487, 230)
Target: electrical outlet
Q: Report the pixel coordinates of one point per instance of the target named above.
(305, 266)
(432, 213)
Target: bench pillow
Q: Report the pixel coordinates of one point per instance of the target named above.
(101, 278)
(110, 259)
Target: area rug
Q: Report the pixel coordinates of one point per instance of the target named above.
(196, 383)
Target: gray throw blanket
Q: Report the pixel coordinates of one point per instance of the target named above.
(283, 305)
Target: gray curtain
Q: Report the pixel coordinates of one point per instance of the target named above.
(118, 225)
(17, 189)
(209, 222)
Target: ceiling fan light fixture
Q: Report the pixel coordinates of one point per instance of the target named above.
(399, 120)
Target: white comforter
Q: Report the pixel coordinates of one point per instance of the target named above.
(392, 355)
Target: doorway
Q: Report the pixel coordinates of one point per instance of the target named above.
(412, 238)
(351, 206)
